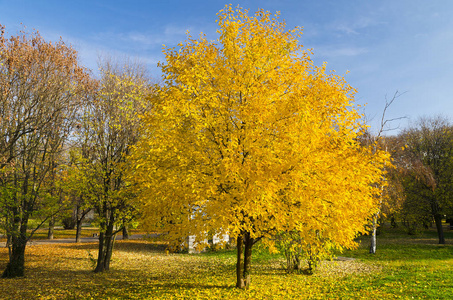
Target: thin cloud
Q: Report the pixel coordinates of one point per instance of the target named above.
(330, 52)
(168, 36)
(355, 27)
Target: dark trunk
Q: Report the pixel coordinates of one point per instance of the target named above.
(440, 229)
(239, 263)
(435, 210)
(80, 216)
(125, 233)
(51, 228)
(8, 240)
(101, 254)
(16, 264)
(108, 253)
(247, 259)
(78, 224)
(393, 222)
(106, 241)
(243, 265)
(78, 230)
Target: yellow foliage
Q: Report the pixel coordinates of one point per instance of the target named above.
(250, 136)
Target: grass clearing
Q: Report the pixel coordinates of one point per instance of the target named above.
(405, 267)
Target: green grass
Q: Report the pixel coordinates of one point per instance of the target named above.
(404, 267)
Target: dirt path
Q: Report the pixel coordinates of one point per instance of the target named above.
(33, 242)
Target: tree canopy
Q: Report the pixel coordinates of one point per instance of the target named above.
(41, 87)
(250, 138)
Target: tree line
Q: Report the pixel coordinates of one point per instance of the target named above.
(420, 183)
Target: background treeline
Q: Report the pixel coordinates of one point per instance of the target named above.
(420, 185)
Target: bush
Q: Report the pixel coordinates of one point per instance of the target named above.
(68, 223)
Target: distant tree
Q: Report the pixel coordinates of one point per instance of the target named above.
(41, 86)
(429, 145)
(77, 183)
(250, 139)
(393, 193)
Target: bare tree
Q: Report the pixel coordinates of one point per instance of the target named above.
(380, 143)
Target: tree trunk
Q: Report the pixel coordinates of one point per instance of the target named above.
(51, 228)
(106, 241)
(78, 229)
(373, 235)
(125, 232)
(108, 252)
(16, 264)
(80, 216)
(393, 222)
(247, 259)
(435, 210)
(239, 263)
(101, 254)
(244, 259)
(440, 229)
(8, 240)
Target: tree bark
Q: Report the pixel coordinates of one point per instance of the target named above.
(101, 254)
(78, 230)
(125, 233)
(106, 242)
(16, 264)
(51, 228)
(373, 235)
(247, 259)
(244, 259)
(8, 240)
(440, 229)
(239, 263)
(435, 210)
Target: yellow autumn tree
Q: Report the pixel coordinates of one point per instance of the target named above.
(249, 138)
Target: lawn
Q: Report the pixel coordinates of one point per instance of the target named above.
(405, 267)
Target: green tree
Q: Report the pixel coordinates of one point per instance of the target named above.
(108, 130)
(429, 153)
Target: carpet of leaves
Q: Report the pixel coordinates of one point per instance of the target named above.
(142, 270)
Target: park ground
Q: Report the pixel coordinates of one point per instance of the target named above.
(405, 267)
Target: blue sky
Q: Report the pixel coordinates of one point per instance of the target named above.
(386, 45)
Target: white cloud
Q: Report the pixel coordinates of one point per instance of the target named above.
(331, 51)
(356, 26)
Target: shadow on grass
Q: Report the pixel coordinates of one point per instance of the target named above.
(83, 246)
(74, 284)
(145, 246)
